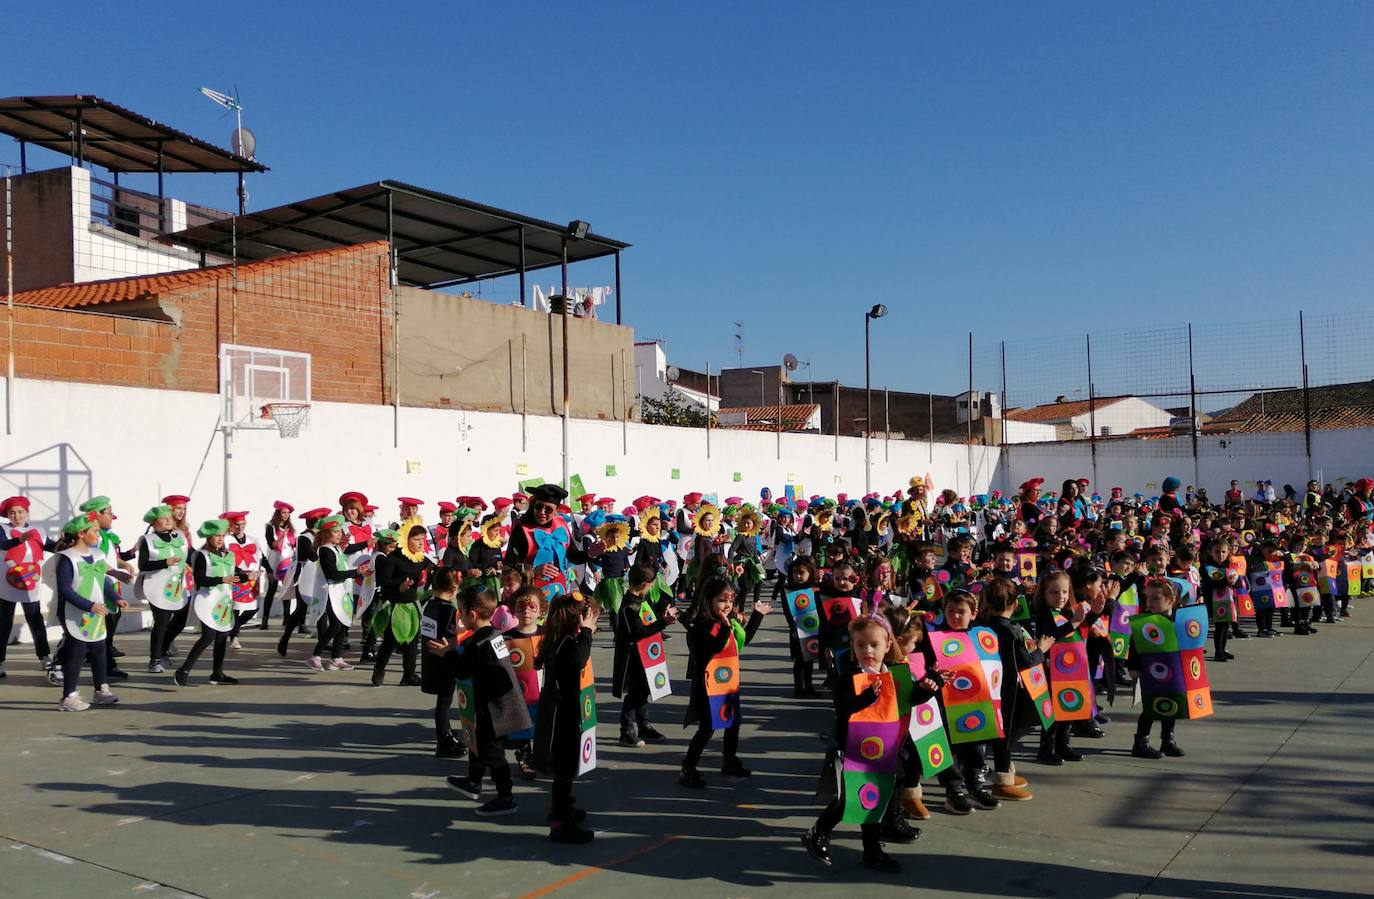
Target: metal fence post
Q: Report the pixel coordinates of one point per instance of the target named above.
(1306, 394)
(1193, 427)
(1092, 411)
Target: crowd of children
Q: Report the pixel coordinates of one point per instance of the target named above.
(943, 628)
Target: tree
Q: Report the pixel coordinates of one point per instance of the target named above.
(672, 409)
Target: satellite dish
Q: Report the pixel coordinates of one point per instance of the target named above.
(673, 373)
(242, 142)
(790, 362)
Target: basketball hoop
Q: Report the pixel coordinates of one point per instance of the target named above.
(289, 417)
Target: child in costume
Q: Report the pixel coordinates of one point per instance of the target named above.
(564, 653)
(248, 559)
(118, 560)
(715, 638)
(334, 592)
(1019, 652)
(1218, 593)
(162, 566)
(801, 574)
(401, 575)
(1054, 614)
(307, 569)
(440, 621)
(483, 667)
(280, 535)
(215, 575)
(634, 621)
(21, 583)
(863, 682)
(84, 597)
(1159, 599)
(910, 643)
(839, 601)
(523, 639)
(965, 788)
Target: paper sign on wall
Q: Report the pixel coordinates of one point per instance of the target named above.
(610, 471)
(522, 468)
(738, 477)
(412, 466)
(676, 474)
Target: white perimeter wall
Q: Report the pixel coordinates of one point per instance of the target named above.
(1141, 465)
(143, 444)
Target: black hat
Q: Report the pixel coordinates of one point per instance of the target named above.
(548, 493)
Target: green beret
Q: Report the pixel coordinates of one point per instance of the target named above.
(156, 512)
(79, 525)
(386, 535)
(213, 528)
(332, 521)
(95, 504)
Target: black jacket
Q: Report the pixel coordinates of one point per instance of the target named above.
(557, 730)
(629, 629)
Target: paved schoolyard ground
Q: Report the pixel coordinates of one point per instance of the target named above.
(301, 784)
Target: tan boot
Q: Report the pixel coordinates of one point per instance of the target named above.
(912, 804)
(1016, 779)
(1005, 788)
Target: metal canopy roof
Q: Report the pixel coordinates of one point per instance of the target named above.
(113, 137)
(439, 239)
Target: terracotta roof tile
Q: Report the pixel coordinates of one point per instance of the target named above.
(1061, 411)
(142, 287)
(764, 418)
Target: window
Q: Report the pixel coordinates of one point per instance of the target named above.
(1104, 431)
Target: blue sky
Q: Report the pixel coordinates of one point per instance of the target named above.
(1020, 170)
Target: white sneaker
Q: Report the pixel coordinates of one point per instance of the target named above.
(155, 667)
(339, 665)
(73, 703)
(103, 696)
(316, 664)
(235, 644)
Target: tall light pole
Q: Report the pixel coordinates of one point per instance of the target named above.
(878, 311)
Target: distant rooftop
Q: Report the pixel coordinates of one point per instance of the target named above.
(91, 129)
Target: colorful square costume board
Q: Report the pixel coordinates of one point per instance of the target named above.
(523, 650)
(1038, 691)
(653, 658)
(1173, 674)
(1267, 590)
(1071, 686)
(586, 707)
(722, 686)
(922, 721)
(972, 692)
(1119, 628)
(806, 621)
(1027, 563)
(839, 611)
(868, 772)
(1306, 593)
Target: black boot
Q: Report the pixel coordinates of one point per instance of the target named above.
(1046, 755)
(450, 747)
(1143, 750)
(1171, 749)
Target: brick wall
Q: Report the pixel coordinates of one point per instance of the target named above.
(334, 305)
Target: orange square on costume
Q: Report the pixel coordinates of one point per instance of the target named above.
(885, 709)
(588, 679)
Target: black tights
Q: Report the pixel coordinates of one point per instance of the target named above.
(443, 728)
(208, 636)
(1220, 636)
(832, 815)
(271, 594)
(167, 626)
(561, 810)
(700, 739)
(333, 634)
(33, 614)
(240, 619)
(408, 655)
(1166, 727)
(1264, 620)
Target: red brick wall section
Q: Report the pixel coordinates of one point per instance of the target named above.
(335, 306)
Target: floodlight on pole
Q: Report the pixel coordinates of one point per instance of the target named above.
(878, 311)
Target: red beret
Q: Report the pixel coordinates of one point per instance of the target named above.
(606, 501)
(234, 516)
(1083, 482)
(353, 495)
(369, 508)
(692, 498)
(321, 512)
(446, 506)
(587, 498)
(564, 509)
(479, 503)
(802, 504)
(524, 496)
(283, 505)
(409, 501)
(176, 499)
(643, 503)
(501, 502)
(10, 503)
(733, 500)
(630, 511)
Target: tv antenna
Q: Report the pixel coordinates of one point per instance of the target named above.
(241, 141)
(739, 342)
